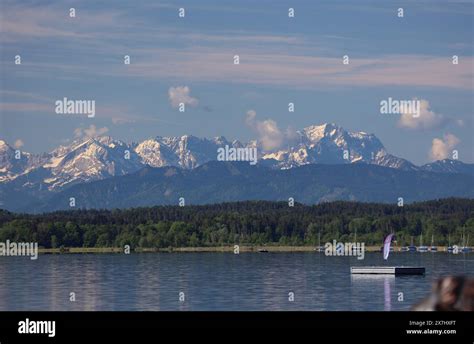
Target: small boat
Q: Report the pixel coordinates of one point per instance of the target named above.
(433, 248)
(405, 249)
(262, 250)
(465, 247)
(319, 248)
(422, 248)
(449, 249)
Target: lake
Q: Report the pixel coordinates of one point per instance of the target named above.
(217, 281)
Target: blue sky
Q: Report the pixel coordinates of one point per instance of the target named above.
(282, 60)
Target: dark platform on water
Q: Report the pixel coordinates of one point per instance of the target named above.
(388, 270)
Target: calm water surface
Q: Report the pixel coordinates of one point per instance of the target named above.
(217, 281)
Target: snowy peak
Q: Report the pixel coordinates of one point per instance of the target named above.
(315, 133)
(82, 161)
(382, 158)
(449, 166)
(91, 159)
(14, 162)
(340, 137)
(186, 151)
(329, 144)
(156, 153)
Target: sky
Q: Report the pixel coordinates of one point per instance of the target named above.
(282, 59)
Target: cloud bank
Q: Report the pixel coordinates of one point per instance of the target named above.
(269, 135)
(442, 148)
(427, 120)
(180, 94)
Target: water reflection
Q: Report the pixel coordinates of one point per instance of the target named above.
(216, 281)
(370, 283)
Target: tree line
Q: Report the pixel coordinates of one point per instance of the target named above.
(252, 222)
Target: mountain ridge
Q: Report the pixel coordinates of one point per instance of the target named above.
(102, 157)
(309, 184)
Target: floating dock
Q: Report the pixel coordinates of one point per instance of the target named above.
(388, 270)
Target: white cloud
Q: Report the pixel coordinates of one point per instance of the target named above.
(180, 94)
(18, 144)
(92, 131)
(426, 120)
(441, 149)
(269, 135)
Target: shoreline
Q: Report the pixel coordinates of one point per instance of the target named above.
(211, 249)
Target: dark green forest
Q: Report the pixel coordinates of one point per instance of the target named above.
(253, 222)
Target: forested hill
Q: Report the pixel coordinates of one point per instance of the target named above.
(223, 181)
(255, 222)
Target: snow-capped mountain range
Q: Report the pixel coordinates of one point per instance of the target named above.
(101, 157)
